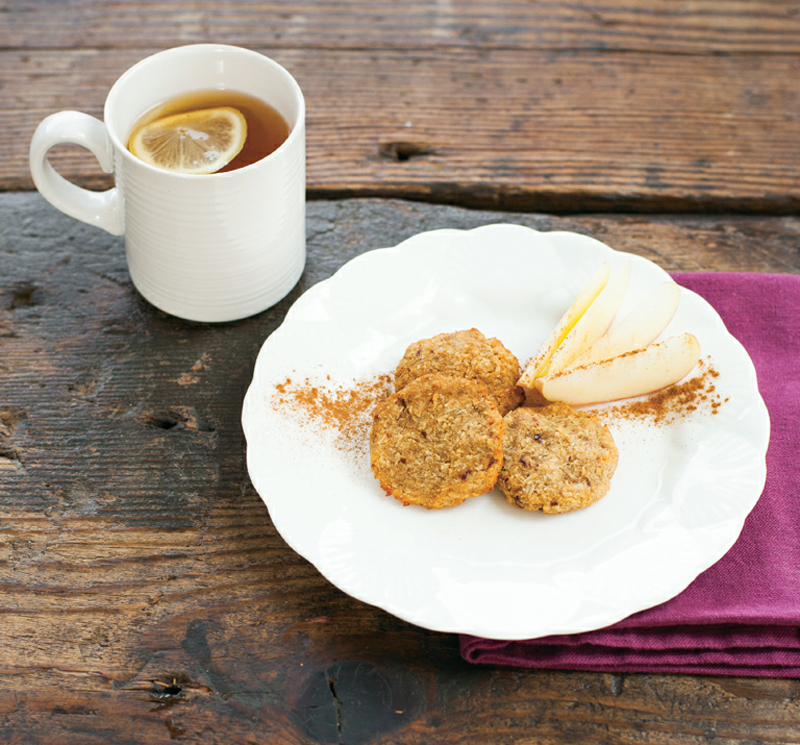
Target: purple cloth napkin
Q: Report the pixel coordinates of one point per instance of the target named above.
(742, 615)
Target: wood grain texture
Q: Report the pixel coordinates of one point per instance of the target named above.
(527, 106)
(145, 595)
(719, 26)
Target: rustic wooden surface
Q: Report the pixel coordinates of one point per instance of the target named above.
(145, 595)
(661, 105)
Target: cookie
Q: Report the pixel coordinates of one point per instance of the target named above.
(437, 442)
(467, 354)
(555, 459)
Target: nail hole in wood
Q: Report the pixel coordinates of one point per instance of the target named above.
(181, 417)
(22, 295)
(166, 695)
(403, 151)
(162, 422)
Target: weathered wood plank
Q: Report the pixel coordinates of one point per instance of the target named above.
(707, 26)
(520, 129)
(145, 594)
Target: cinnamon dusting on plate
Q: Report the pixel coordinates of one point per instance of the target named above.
(343, 409)
(697, 394)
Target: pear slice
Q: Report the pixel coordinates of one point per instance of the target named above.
(592, 324)
(640, 327)
(633, 374)
(573, 314)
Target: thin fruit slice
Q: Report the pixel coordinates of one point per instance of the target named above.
(568, 320)
(633, 374)
(593, 324)
(195, 142)
(640, 327)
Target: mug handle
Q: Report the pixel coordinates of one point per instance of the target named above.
(99, 208)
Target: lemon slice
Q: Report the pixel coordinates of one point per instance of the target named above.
(195, 142)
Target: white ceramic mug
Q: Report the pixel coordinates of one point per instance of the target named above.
(214, 247)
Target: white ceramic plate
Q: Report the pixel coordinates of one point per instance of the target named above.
(678, 499)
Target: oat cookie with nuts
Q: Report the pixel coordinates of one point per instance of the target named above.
(555, 459)
(437, 441)
(467, 354)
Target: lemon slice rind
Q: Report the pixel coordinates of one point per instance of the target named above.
(195, 142)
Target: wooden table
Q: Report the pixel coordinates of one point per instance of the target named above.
(145, 595)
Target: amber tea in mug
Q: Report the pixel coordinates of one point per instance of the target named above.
(267, 130)
(210, 248)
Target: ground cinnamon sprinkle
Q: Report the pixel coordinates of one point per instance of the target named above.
(699, 393)
(346, 410)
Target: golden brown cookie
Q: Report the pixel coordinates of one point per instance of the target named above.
(437, 442)
(555, 459)
(467, 354)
